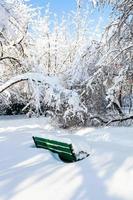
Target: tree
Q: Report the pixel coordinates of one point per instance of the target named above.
(117, 47)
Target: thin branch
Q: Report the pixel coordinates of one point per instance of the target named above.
(106, 123)
(125, 49)
(120, 120)
(1, 49)
(19, 78)
(100, 119)
(11, 58)
(3, 88)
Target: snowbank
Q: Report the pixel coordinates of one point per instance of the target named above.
(30, 173)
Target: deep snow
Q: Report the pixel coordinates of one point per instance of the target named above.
(30, 173)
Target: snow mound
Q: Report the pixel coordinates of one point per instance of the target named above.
(33, 173)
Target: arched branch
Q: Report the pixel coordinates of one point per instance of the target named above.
(9, 84)
(10, 58)
(39, 78)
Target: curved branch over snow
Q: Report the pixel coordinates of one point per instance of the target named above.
(24, 77)
(10, 58)
(35, 77)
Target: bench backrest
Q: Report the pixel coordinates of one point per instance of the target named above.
(64, 150)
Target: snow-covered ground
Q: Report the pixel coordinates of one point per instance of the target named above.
(30, 173)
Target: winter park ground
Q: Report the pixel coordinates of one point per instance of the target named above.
(30, 173)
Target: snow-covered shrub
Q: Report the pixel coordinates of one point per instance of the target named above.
(48, 95)
(4, 103)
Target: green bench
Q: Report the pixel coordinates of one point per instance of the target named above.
(64, 150)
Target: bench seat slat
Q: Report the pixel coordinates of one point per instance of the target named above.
(53, 141)
(50, 143)
(55, 147)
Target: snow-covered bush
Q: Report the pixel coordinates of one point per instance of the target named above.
(48, 95)
(4, 103)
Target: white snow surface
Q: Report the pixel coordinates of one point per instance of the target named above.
(27, 172)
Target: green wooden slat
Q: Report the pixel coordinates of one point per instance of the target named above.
(53, 141)
(53, 147)
(50, 142)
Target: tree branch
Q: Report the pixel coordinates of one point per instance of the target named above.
(100, 119)
(11, 58)
(103, 121)
(120, 120)
(35, 77)
(6, 86)
(1, 49)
